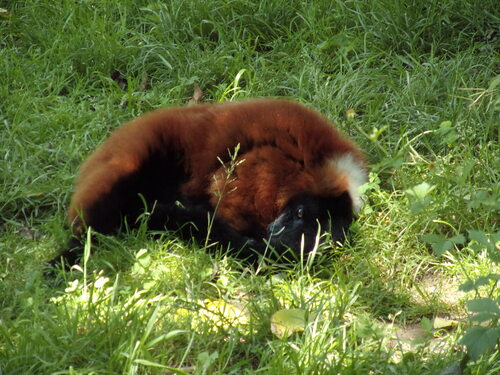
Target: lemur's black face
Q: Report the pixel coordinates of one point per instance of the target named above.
(304, 215)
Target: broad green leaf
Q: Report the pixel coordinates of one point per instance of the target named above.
(439, 243)
(483, 317)
(479, 340)
(419, 196)
(479, 281)
(433, 238)
(420, 191)
(458, 239)
(482, 239)
(481, 305)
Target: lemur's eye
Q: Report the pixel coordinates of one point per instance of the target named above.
(299, 213)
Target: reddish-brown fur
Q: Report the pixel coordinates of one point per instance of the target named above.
(284, 151)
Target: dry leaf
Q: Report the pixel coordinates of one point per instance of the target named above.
(440, 323)
(4, 13)
(285, 322)
(197, 95)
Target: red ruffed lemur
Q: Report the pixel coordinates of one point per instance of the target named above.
(268, 172)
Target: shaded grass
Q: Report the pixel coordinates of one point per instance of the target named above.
(418, 75)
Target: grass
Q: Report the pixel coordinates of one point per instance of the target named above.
(421, 77)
